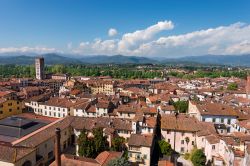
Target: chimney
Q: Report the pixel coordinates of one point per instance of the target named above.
(58, 147)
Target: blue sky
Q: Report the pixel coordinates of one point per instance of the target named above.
(180, 27)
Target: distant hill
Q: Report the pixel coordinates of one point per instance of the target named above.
(50, 59)
(53, 58)
(232, 60)
(116, 59)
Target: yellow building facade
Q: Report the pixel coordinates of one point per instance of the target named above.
(9, 108)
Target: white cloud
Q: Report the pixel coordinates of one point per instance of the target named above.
(239, 48)
(26, 49)
(130, 41)
(125, 45)
(232, 39)
(112, 32)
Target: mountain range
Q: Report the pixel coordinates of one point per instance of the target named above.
(53, 58)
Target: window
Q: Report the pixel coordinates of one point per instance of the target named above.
(137, 156)
(9, 104)
(1, 112)
(229, 121)
(192, 142)
(168, 140)
(54, 114)
(222, 120)
(182, 141)
(203, 119)
(18, 108)
(182, 149)
(50, 154)
(10, 110)
(59, 115)
(214, 119)
(145, 156)
(213, 147)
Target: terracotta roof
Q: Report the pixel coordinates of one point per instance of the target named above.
(151, 121)
(213, 139)
(64, 102)
(103, 122)
(75, 92)
(103, 104)
(216, 109)
(4, 93)
(206, 128)
(104, 157)
(181, 123)
(140, 140)
(165, 163)
(35, 116)
(13, 153)
(244, 124)
(70, 160)
(167, 107)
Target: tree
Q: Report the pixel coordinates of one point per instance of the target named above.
(198, 158)
(181, 106)
(58, 69)
(100, 141)
(118, 143)
(89, 146)
(187, 141)
(165, 147)
(85, 144)
(119, 162)
(232, 86)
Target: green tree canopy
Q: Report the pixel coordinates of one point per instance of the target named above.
(181, 106)
(198, 158)
(91, 147)
(165, 147)
(232, 86)
(118, 143)
(119, 162)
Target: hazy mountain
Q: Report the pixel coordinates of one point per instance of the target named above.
(59, 59)
(53, 58)
(117, 59)
(25, 60)
(233, 60)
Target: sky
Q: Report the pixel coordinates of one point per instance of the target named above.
(150, 28)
